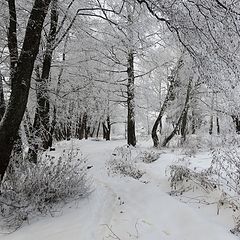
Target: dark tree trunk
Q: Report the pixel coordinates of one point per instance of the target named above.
(160, 115)
(211, 125)
(193, 123)
(83, 127)
(42, 116)
(104, 131)
(184, 125)
(80, 128)
(53, 126)
(87, 132)
(218, 126)
(131, 137)
(107, 129)
(237, 123)
(20, 81)
(69, 130)
(92, 132)
(98, 129)
(2, 101)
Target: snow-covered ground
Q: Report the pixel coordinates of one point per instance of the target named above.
(125, 208)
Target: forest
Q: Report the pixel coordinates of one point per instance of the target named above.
(120, 119)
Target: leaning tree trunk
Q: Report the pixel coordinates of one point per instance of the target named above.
(131, 138)
(173, 80)
(160, 115)
(20, 82)
(185, 108)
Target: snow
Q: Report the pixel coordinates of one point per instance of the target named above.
(125, 208)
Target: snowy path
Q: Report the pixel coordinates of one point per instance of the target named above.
(130, 208)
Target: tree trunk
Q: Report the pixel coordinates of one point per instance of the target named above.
(83, 128)
(93, 131)
(211, 125)
(104, 130)
(160, 115)
(193, 122)
(170, 96)
(237, 123)
(107, 129)
(131, 138)
(20, 82)
(184, 125)
(80, 128)
(218, 126)
(2, 101)
(42, 116)
(185, 108)
(98, 129)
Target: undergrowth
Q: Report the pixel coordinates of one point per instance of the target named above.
(43, 188)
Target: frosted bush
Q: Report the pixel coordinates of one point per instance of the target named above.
(183, 179)
(123, 163)
(225, 166)
(149, 156)
(31, 189)
(223, 175)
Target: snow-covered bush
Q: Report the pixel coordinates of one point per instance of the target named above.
(223, 175)
(225, 166)
(200, 141)
(123, 163)
(183, 179)
(191, 145)
(31, 189)
(149, 156)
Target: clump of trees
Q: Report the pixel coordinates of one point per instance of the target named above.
(94, 68)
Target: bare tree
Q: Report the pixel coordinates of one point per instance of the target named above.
(20, 76)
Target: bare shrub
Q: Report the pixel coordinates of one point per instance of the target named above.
(31, 189)
(183, 179)
(123, 163)
(149, 156)
(225, 166)
(223, 174)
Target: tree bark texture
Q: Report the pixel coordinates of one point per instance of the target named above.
(42, 115)
(20, 81)
(131, 137)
